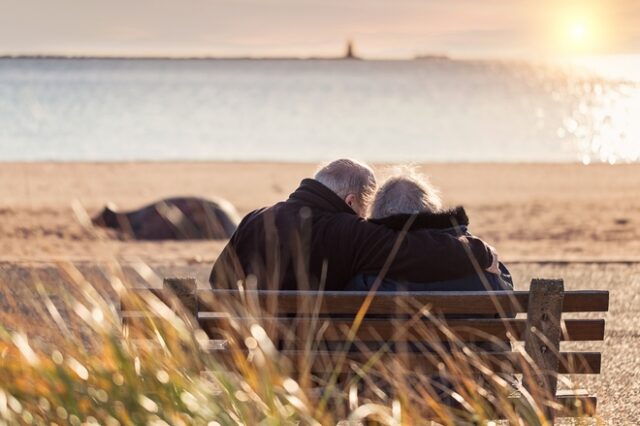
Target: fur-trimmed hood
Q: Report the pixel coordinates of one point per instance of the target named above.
(441, 220)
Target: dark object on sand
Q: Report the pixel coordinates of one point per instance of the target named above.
(180, 218)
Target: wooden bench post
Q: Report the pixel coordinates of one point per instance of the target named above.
(542, 340)
(185, 290)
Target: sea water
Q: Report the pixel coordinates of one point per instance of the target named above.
(311, 110)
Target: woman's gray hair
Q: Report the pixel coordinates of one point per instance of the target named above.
(405, 192)
(346, 176)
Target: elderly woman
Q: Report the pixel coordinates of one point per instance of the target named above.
(408, 201)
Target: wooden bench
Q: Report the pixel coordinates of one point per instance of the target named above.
(312, 329)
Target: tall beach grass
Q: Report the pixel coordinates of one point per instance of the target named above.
(71, 361)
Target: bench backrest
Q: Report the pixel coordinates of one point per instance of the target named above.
(299, 320)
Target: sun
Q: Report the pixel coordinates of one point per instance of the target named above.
(577, 27)
(578, 32)
(581, 34)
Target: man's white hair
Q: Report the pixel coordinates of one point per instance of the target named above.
(405, 192)
(346, 176)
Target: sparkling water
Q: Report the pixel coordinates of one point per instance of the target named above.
(312, 110)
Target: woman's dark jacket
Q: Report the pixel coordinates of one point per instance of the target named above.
(314, 240)
(454, 222)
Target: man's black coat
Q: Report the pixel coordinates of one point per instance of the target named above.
(314, 240)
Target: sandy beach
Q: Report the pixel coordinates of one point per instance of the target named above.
(581, 223)
(528, 212)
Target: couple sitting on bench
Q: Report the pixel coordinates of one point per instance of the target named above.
(319, 238)
(408, 200)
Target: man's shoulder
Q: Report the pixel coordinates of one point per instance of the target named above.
(250, 221)
(255, 213)
(257, 217)
(262, 211)
(251, 216)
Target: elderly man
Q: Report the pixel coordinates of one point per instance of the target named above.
(409, 200)
(318, 239)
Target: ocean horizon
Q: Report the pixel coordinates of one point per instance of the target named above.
(285, 110)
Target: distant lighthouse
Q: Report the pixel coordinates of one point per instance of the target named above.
(349, 53)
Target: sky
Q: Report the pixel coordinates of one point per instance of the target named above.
(265, 28)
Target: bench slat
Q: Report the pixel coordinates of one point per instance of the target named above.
(505, 362)
(576, 330)
(344, 302)
(576, 403)
(387, 303)
(573, 403)
(399, 330)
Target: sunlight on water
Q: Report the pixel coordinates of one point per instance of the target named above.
(604, 124)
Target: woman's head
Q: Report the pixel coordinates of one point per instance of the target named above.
(405, 192)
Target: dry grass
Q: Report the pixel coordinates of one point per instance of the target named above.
(69, 362)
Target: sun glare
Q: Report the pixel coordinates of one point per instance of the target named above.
(578, 32)
(581, 34)
(580, 28)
